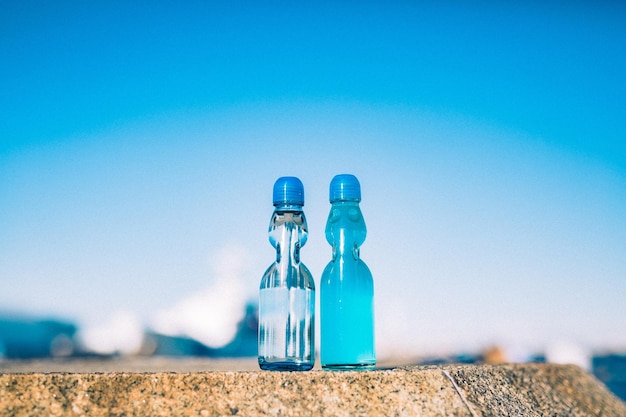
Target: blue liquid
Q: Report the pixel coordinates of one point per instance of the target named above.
(347, 295)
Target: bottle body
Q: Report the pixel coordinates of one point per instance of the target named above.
(287, 298)
(347, 294)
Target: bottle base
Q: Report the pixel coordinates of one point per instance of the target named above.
(285, 366)
(350, 367)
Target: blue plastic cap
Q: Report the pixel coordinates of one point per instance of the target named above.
(288, 190)
(345, 187)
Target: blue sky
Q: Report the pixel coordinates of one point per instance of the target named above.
(139, 143)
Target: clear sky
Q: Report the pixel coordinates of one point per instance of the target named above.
(139, 144)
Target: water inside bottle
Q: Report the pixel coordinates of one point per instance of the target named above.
(285, 328)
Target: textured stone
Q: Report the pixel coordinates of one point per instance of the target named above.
(535, 390)
(515, 390)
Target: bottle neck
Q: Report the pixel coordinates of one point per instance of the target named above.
(287, 207)
(345, 229)
(288, 233)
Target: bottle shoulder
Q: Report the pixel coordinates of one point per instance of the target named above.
(295, 276)
(346, 269)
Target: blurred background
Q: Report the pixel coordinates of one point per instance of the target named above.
(139, 144)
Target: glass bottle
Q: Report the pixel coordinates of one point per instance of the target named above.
(347, 287)
(287, 291)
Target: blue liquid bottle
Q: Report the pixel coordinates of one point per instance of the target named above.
(287, 291)
(347, 287)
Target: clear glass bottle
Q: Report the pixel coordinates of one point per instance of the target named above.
(287, 291)
(347, 286)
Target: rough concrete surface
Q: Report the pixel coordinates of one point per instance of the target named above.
(464, 390)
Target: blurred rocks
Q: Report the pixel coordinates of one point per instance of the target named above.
(36, 345)
(611, 370)
(23, 337)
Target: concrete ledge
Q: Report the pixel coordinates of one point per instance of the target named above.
(467, 390)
